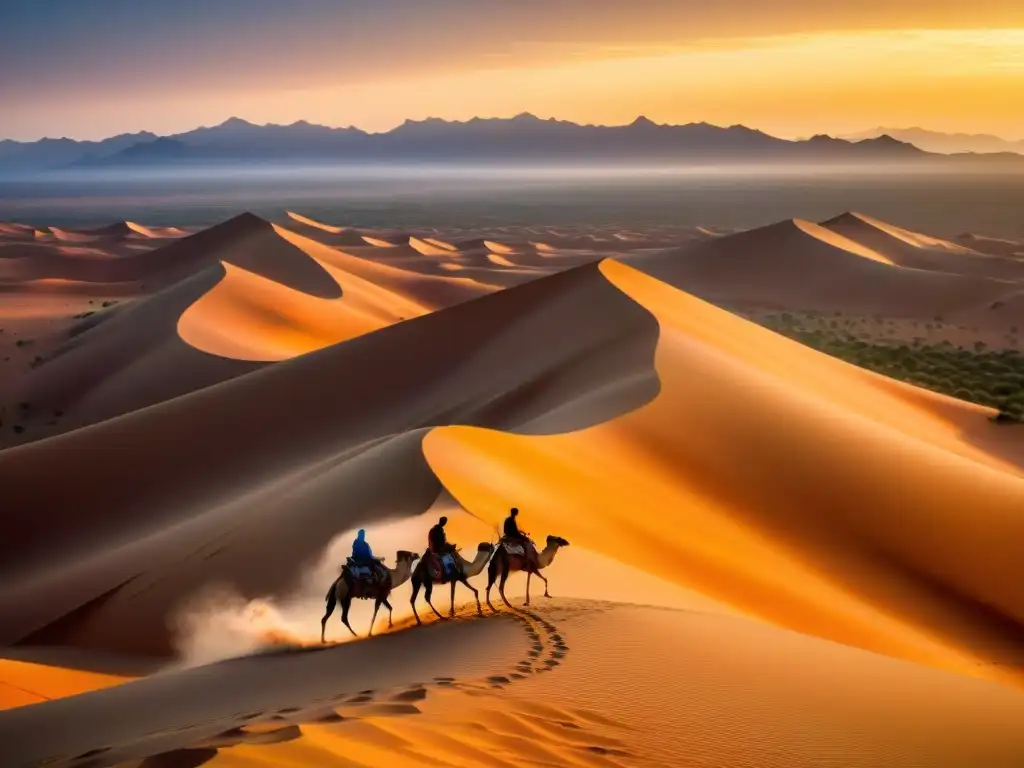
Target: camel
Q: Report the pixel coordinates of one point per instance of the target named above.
(422, 576)
(343, 590)
(503, 563)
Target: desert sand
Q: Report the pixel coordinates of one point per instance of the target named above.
(775, 557)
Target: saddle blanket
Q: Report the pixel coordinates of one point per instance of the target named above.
(448, 564)
(360, 571)
(514, 549)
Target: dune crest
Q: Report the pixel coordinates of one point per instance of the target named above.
(429, 248)
(727, 474)
(248, 317)
(854, 222)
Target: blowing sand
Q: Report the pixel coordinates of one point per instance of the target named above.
(775, 558)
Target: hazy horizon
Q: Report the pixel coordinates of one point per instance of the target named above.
(986, 203)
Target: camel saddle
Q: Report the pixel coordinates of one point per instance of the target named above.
(515, 548)
(442, 567)
(366, 580)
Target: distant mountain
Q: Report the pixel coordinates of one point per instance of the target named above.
(58, 153)
(524, 138)
(946, 143)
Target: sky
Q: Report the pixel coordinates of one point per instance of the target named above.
(88, 69)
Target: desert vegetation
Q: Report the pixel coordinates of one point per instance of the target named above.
(975, 373)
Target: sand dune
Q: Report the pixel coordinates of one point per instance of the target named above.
(133, 229)
(917, 251)
(423, 289)
(13, 230)
(247, 317)
(378, 242)
(337, 235)
(805, 266)
(441, 244)
(121, 359)
(564, 685)
(857, 225)
(354, 397)
(23, 683)
(428, 248)
(992, 245)
(773, 432)
(834, 552)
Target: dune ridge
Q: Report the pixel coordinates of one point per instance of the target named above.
(796, 519)
(598, 366)
(889, 593)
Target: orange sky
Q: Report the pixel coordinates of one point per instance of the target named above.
(791, 67)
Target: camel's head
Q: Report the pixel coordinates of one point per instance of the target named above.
(485, 546)
(404, 556)
(557, 541)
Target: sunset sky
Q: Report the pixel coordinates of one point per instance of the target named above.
(93, 68)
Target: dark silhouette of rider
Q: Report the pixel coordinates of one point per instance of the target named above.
(437, 542)
(515, 536)
(512, 532)
(437, 539)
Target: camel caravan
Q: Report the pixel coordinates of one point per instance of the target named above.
(365, 576)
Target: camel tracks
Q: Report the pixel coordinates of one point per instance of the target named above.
(546, 648)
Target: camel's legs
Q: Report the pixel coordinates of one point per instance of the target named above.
(331, 602)
(492, 575)
(345, 605)
(412, 601)
(541, 577)
(501, 584)
(476, 594)
(451, 610)
(428, 588)
(528, 575)
(388, 606)
(376, 607)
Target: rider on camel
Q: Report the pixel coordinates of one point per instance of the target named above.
(362, 555)
(514, 536)
(437, 540)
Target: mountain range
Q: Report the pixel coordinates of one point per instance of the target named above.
(945, 143)
(521, 138)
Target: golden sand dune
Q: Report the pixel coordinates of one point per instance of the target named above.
(245, 291)
(796, 264)
(70, 236)
(23, 683)
(428, 248)
(131, 229)
(441, 243)
(499, 261)
(858, 225)
(248, 317)
(334, 235)
(432, 291)
(758, 448)
(120, 359)
(378, 242)
(499, 248)
(570, 684)
(692, 458)
(175, 499)
(917, 251)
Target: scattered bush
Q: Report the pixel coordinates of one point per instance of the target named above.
(994, 378)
